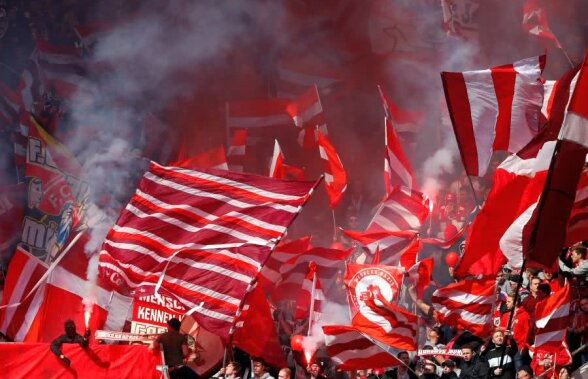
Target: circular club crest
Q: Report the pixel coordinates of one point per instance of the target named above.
(372, 280)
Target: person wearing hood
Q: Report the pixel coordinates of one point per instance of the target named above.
(500, 357)
(70, 336)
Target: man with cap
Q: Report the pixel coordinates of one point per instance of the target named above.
(448, 367)
(175, 349)
(70, 336)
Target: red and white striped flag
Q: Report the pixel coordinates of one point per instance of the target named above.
(552, 316)
(535, 22)
(401, 120)
(201, 235)
(467, 305)
(277, 163)
(397, 170)
(311, 297)
(496, 109)
(349, 349)
(335, 176)
(236, 150)
(307, 113)
(270, 274)
(496, 232)
(396, 248)
(419, 275)
(545, 232)
(329, 262)
(402, 209)
(213, 158)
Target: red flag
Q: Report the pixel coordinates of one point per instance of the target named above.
(397, 170)
(420, 275)
(545, 232)
(307, 113)
(335, 176)
(201, 235)
(494, 109)
(376, 259)
(398, 248)
(467, 305)
(255, 333)
(401, 120)
(310, 297)
(270, 274)
(518, 182)
(351, 350)
(213, 158)
(329, 262)
(280, 170)
(276, 165)
(402, 209)
(578, 222)
(370, 290)
(552, 316)
(535, 22)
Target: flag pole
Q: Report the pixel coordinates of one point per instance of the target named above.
(511, 316)
(312, 295)
(334, 225)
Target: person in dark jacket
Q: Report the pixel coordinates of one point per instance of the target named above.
(70, 336)
(402, 371)
(448, 366)
(472, 366)
(498, 350)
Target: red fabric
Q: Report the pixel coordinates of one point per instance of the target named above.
(515, 94)
(213, 158)
(212, 209)
(466, 305)
(402, 209)
(521, 325)
(20, 360)
(420, 275)
(255, 332)
(335, 175)
(397, 170)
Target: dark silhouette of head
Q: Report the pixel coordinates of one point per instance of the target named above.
(70, 328)
(174, 323)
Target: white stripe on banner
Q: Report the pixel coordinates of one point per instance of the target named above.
(561, 311)
(484, 111)
(225, 199)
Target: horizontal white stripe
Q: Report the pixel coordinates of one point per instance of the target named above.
(342, 338)
(65, 280)
(469, 317)
(235, 150)
(529, 167)
(575, 129)
(210, 217)
(347, 355)
(464, 297)
(543, 338)
(173, 246)
(329, 178)
(182, 283)
(193, 229)
(312, 111)
(561, 311)
(226, 199)
(189, 262)
(210, 313)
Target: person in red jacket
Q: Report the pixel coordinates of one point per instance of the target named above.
(544, 360)
(521, 323)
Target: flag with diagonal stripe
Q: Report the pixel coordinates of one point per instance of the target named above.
(201, 235)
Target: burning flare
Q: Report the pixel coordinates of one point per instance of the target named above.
(87, 315)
